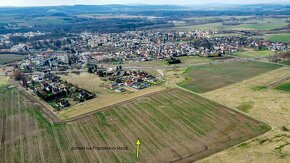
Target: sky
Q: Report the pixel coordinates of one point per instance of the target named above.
(101, 2)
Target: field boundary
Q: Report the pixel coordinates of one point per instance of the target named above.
(44, 109)
(43, 106)
(276, 83)
(221, 147)
(226, 145)
(229, 108)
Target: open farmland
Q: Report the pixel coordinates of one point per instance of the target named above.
(268, 105)
(252, 53)
(210, 77)
(157, 119)
(223, 23)
(260, 25)
(279, 37)
(7, 58)
(208, 26)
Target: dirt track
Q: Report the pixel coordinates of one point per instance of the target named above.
(276, 83)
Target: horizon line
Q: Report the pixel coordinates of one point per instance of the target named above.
(145, 4)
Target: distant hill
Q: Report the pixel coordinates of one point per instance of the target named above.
(117, 9)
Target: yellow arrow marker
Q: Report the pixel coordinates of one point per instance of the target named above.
(137, 148)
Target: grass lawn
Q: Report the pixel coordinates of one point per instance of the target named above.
(194, 60)
(245, 107)
(284, 86)
(252, 53)
(3, 81)
(279, 38)
(87, 81)
(210, 77)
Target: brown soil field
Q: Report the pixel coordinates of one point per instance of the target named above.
(267, 104)
(173, 126)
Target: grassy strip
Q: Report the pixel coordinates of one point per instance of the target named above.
(284, 86)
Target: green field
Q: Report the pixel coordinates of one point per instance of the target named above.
(209, 26)
(251, 53)
(279, 38)
(7, 58)
(284, 86)
(251, 24)
(193, 60)
(173, 126)
(210, 77)
(260, 26)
